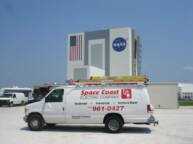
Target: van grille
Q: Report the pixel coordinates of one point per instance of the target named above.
(4, 102)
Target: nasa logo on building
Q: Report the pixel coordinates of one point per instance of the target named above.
(119, 44)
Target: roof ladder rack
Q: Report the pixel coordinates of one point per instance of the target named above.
(115, 80)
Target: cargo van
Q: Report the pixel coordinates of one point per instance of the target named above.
(13, 99)
(112, 105)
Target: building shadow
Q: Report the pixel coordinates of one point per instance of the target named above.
(92, 129)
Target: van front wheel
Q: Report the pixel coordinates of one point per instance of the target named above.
(113, 124)
(35, 122)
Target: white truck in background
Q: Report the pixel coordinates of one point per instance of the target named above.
(13, 99)
(26, 91)
(111, 104)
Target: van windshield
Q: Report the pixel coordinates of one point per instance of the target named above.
(7, 95)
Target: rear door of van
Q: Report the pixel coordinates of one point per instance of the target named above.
(135, 108)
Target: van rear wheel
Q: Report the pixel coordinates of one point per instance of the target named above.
(35, 122)
(11, 104)
(22, 103)
(113, 124)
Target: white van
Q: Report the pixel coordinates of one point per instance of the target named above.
(13, 99)
(112, 105)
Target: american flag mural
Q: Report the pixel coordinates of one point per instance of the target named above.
(75, 52)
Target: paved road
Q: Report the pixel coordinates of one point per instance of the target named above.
(176, 127)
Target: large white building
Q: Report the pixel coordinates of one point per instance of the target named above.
(185, 91)
(110, 52)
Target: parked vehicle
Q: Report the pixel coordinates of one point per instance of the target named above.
(13, 99)
(26, 91)
(111, 104)
(39, 91)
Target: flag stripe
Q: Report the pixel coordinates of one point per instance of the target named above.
(81, 47)
(75, 51)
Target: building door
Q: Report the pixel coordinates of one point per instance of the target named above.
(97, 53)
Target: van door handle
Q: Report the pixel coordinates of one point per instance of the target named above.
(63, 108)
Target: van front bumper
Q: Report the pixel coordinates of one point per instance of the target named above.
(25, 118)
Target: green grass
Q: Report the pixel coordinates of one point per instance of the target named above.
(185, 102)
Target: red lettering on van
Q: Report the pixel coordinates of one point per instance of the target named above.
(126, 94)
(89, 93)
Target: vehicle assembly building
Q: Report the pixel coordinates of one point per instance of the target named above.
(110, 52)
(114, 52)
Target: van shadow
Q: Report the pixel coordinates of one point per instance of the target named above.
(93, 129)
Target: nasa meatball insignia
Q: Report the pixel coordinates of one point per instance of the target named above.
(119, 44)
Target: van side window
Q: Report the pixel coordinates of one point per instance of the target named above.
(55, 96)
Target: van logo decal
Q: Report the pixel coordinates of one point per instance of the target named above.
(126, 94)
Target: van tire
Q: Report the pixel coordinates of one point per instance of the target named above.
(35, 122)
(11, 104)
(22, 103)
(113, 124)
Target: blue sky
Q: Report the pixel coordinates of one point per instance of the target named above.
(33, 36)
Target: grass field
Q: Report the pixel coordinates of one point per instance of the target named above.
(185, 102)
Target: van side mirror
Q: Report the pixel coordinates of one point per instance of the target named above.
(14, 96)
(47, 99)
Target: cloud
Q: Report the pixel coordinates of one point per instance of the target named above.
(188, 68)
